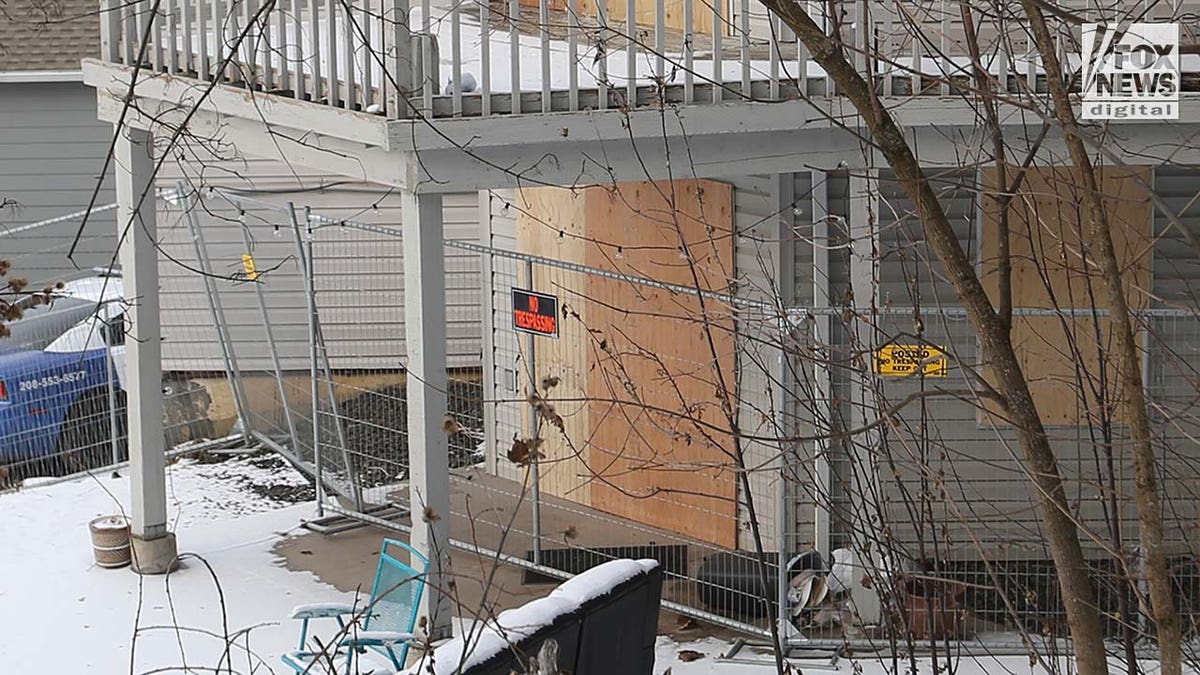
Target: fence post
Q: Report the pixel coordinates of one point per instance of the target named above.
(309, 269)
(270, 334)
(113, 426)
(331, 390)
(534, 427)
(232, 373)
(321, 356)
(488, 292)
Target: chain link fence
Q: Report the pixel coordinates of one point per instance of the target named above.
(565, 451)
(62, 364)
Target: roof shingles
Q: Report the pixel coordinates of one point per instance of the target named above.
(40, 35)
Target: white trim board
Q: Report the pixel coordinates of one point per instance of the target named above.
(40, 76)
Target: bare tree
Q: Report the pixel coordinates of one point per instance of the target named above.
(1146, 491)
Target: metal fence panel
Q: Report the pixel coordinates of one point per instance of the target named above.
(63, 364)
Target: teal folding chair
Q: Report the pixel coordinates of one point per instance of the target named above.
(384, 625)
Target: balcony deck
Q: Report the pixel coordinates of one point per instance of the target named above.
(551, 56)
(560, 94)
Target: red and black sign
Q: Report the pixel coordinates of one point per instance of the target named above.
(535, 313)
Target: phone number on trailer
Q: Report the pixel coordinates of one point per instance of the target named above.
(52, 380)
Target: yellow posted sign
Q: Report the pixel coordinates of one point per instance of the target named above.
(901, 360)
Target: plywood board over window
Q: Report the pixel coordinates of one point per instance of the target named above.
(1069, 360)
(650, 443)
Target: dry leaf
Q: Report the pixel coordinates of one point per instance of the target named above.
(519, 452)
(524, 451)
(431, 516)
(550, 382)
(689, 655)
(451, 425)
(571, 532)
(685, 622)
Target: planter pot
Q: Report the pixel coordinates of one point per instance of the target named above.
(110, 541)
(932, 610)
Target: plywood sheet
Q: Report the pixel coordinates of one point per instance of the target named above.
(645, 12)
(1053, 266)
(550, 223)
(653, 377)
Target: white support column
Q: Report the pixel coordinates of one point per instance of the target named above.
(153, 547)
(863, 192)
(428, 456)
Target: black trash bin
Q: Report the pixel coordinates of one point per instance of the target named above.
(613, 632)
(729, 582)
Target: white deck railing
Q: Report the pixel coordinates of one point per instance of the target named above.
(486, 57)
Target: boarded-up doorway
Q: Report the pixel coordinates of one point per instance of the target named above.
(639, 366)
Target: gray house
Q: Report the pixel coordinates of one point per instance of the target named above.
(52, 147)
(810, 254)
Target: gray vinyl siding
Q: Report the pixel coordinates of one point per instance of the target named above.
(945, 475)
(985, 496)
(757, 224)
(1176, 264)
(359, 275)
(910, 274)
(52, 150)
(1175, 359)
(504, 346)
(810, 414)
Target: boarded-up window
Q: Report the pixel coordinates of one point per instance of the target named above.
(1069, 360)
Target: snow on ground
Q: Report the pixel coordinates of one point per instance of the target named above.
(57, 606)
(703, 657)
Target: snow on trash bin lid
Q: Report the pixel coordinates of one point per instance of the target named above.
(512, 626)
(461, 653)
(527, 619)
(601, 579)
